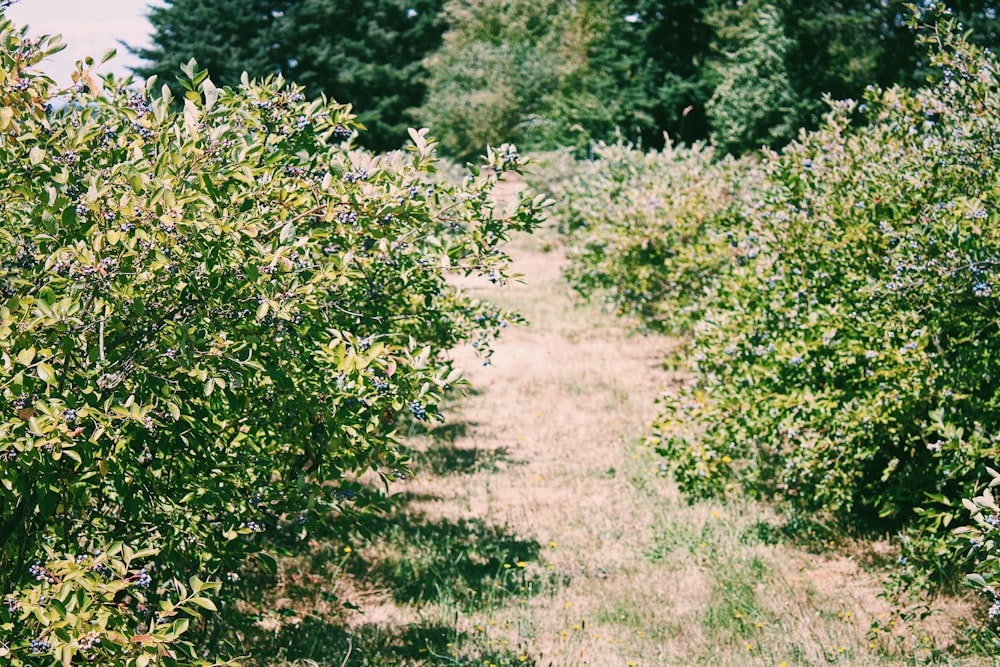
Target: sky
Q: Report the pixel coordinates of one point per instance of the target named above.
(89, 28)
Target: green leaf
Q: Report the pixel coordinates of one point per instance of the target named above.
(203, 602)
(26, 356)
(57, 604)
(46, 373)
(211, 93)
(267, 563)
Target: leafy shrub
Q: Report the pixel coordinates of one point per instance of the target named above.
(211, 323)
(844, 352)
(849, 370)
(74, 611)
(982, 537)
(854, 374)
(651, 233)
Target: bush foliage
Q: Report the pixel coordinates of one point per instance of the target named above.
(649, 233)
(844, 306)
(212, 321)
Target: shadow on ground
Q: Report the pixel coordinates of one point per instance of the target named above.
(298, 617)
(469, 564)
(436, 451)
(442, 459)
(318, 643)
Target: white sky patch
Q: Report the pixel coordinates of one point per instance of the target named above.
(88, 28)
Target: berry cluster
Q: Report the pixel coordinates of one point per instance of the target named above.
(144, 132)
(142, 579)
(101, 569)
(354, 176)
(39, 573)
(40, 645)
(108, 138)
(344, 494)
(138, 104)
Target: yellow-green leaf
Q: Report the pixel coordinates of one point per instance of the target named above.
(46, 373)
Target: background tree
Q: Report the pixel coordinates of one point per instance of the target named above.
(836, 48)
(549, 73)
(370, 58)
(493, 77)
(553, 73)
(755, 103)
(661, 48)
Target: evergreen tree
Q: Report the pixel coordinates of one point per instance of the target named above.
(754, 103)
(557, 72)
(662, 49)
(370, 57)
(495, 74)
(828, 47)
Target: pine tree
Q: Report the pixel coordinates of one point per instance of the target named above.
(754, 103)
(663, 47)
(369, 56)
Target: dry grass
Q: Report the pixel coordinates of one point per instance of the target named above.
(538, 529)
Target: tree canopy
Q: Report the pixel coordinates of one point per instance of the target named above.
(370, 57)
(550, 73)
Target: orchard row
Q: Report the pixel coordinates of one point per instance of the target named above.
(214, 317)
(840, 304)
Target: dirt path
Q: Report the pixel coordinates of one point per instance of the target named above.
(538, 529)
(551, 431)
(559, 400)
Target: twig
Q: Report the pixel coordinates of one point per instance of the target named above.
(100, 338)
(350, 649)
(305, 214)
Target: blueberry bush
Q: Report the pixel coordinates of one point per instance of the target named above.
(214, 316)
(840, 301)
(649, 233)
(864, 327)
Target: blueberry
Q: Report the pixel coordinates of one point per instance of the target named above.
(40, 646)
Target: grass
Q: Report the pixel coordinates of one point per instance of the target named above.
(538, 530)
